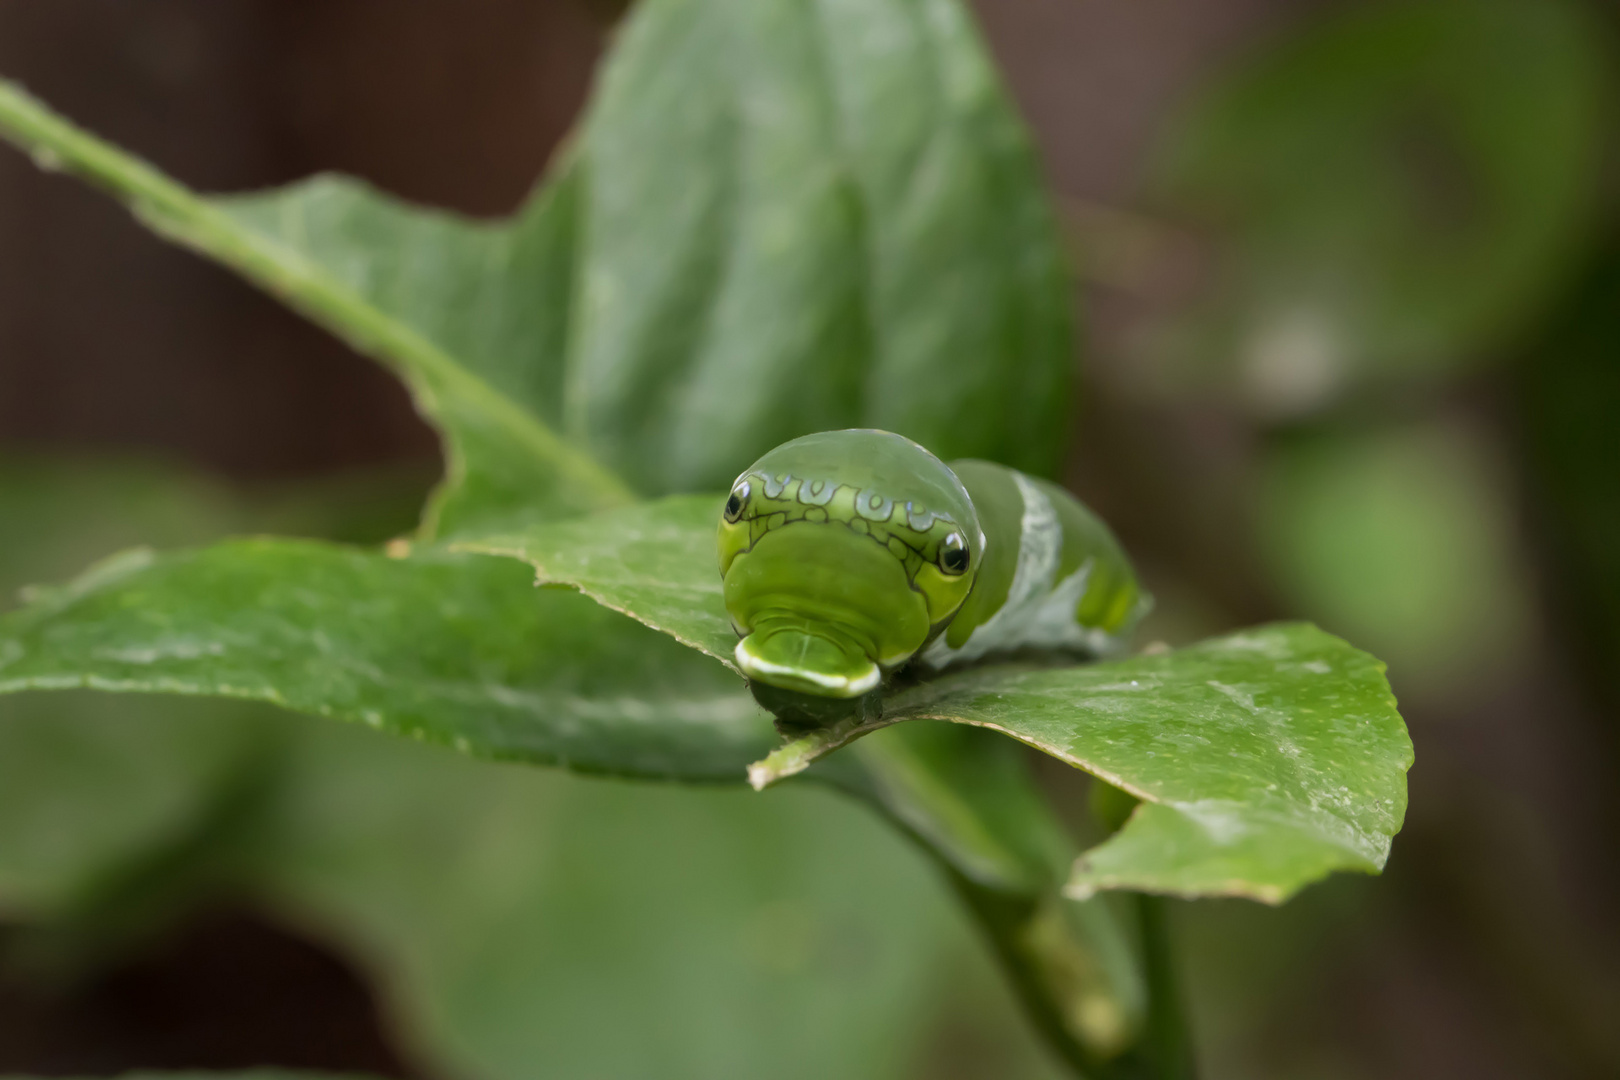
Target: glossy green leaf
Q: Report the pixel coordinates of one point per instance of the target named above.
(455, 650)
(1265, 759)
(656, 562)
(840, 225)
(1394, 188)
(695, 285)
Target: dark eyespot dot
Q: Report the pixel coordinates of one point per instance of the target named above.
(953, 555)
(734, 505)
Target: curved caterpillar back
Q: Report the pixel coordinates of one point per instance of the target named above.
(1053, 575)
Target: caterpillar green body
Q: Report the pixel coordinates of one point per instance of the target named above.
(848, 554)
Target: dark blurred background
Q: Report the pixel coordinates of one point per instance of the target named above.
(1351, 298)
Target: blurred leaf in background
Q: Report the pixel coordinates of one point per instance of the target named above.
(1568, 393)
(112, 815)
(530, 923)
(1402, 538)
(1395, 202)
(1390, 193)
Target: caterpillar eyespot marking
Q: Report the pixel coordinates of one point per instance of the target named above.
(734, 506)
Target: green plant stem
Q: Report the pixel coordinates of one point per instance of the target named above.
(1168, 1042)
(1002, 917)
(1164, 1050)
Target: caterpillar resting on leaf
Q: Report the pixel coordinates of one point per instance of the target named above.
(848, 554)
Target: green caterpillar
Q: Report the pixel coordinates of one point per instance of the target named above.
(846, 555)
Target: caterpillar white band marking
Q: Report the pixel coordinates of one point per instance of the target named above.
(1040, 547)
(757, 666)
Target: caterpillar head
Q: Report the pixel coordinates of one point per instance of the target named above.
(843, 553)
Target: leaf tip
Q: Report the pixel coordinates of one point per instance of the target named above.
(787, 760)
(1079, 890)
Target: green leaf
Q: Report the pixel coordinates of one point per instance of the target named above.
(1397, 188)
(456, 650)
(1265, 759)
(656, 562)
(695, 285)
(841, 225)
